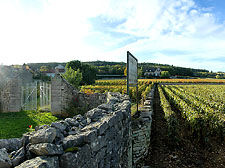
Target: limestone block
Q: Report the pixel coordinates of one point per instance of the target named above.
(59, 126)
(46, 149)
(95, 114)
(12, 144)
(41, 162)
(18, 157)
(5, 162)
(78, 158)
(73, 141)
(72, 122)
(43, 136)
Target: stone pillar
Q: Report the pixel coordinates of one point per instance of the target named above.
(11, 96)
(56, 95)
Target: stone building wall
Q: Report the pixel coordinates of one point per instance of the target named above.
(26, 76)
(11, 96)
(63, 93)
(10, 89)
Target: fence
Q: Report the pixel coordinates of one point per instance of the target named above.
(45, 96)
(29, 96)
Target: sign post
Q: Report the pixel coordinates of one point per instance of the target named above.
(132, 73)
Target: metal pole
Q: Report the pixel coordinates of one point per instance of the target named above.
(32, 96)
(137, 87)
(40, 91)
(50, 96)
(22, 97)
(36, 85)
(27, 96)
(128, 73)
(45, 92)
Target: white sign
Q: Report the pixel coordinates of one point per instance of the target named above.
(132, 69)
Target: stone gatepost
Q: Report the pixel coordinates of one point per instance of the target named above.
(11, 96)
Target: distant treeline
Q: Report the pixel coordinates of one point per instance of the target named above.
(117, 68)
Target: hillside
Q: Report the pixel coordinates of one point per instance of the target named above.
(117, 68)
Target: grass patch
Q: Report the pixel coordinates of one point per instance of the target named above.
(14, 125)
(44, 108)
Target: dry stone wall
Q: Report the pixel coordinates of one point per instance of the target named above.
(141, 131)
(63, 94)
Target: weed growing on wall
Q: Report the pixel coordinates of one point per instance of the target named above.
(74, 108)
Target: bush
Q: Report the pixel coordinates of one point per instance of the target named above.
(74, 108)
(88, 72)
(73, 77)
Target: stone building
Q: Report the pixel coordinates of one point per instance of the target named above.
(154, 72)
(12, 80)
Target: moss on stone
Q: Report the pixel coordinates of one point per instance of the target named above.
(72, 149)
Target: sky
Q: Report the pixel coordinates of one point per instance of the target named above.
(187, 33)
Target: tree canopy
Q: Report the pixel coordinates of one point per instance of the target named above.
(73, 77)
(165, 74)
(88, 72)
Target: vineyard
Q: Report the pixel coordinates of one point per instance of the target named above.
(103, 86)
(197, 81)
(201, 106)
(144, 85)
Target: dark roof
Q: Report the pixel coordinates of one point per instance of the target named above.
(151, 69)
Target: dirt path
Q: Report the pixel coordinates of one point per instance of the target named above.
(159, 147)
(187, 154)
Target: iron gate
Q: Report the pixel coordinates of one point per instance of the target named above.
(36, 95)
(29, 96)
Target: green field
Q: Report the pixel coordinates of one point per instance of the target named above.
(14, 125)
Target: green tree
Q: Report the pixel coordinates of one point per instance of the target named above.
(218, 77)
(43, 68)
(73, 77)
(125, 72)
(140, 72)
(88, 72)
(165, 74)
(74, 65)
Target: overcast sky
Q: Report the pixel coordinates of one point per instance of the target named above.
(189, 33)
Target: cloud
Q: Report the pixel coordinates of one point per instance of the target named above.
(178, 32)
(178, 26)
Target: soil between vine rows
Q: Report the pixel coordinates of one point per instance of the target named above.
(186, 154)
